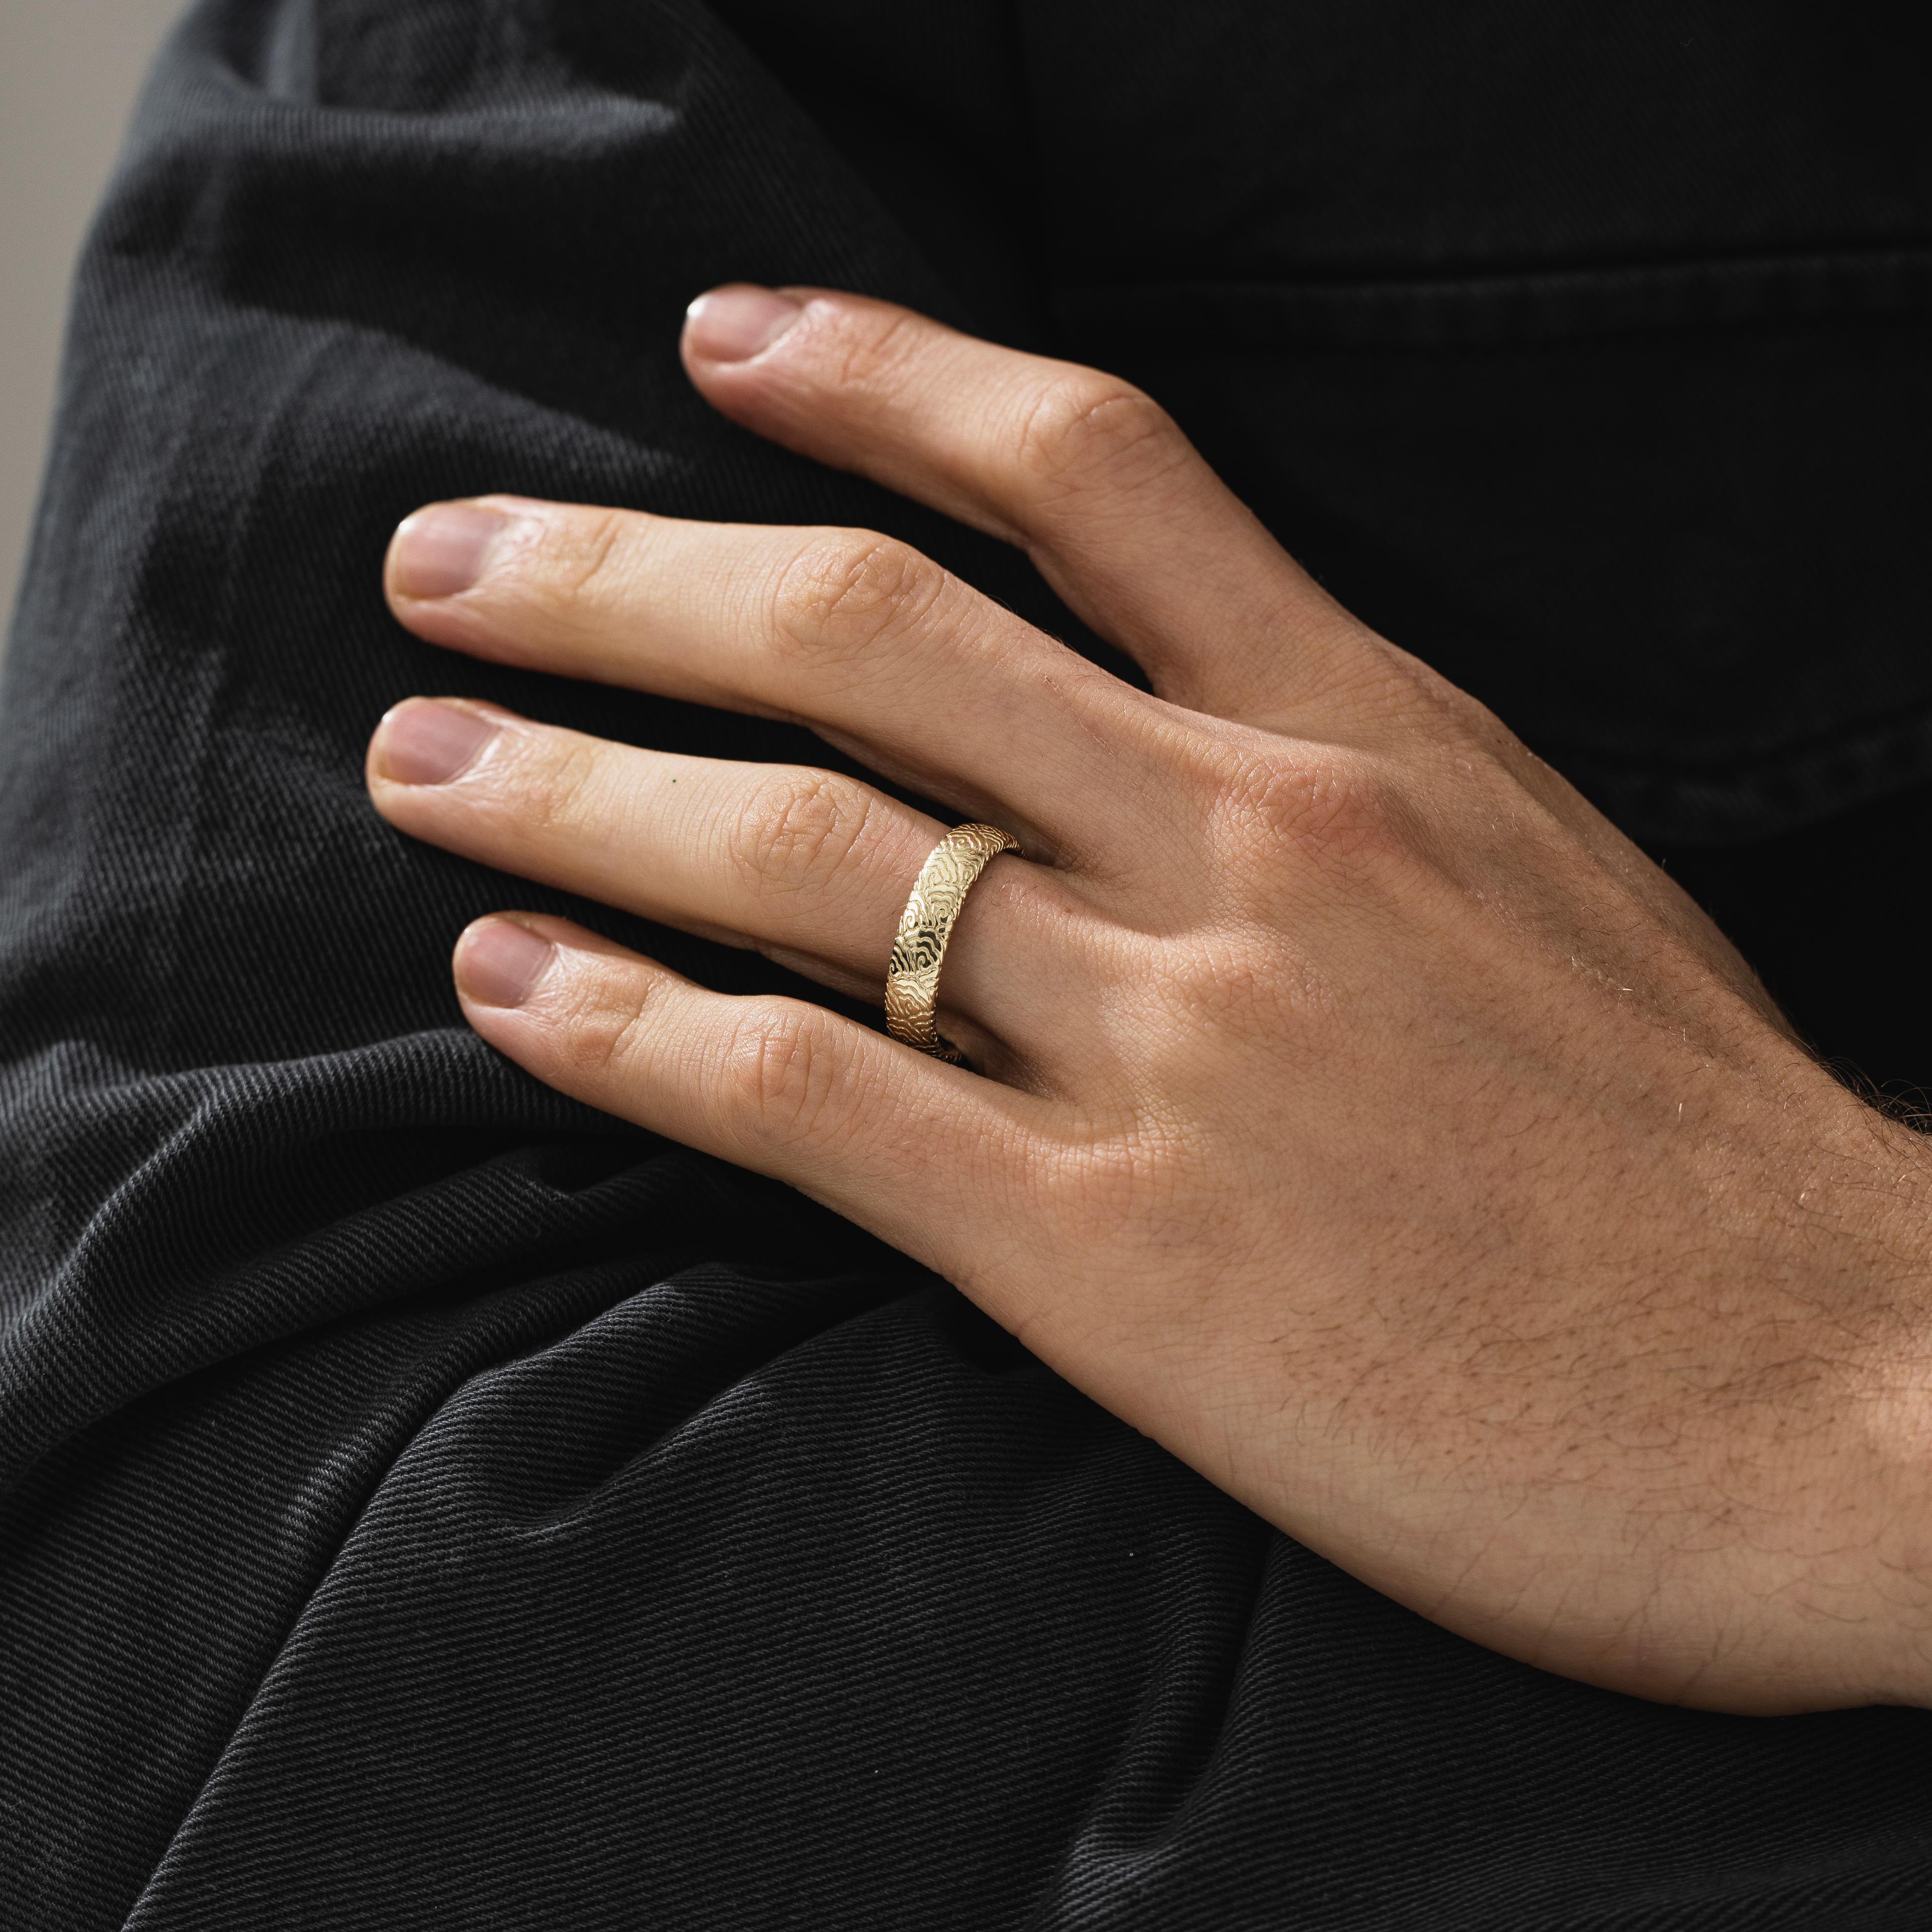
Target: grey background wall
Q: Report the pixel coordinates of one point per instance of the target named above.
(69, 72)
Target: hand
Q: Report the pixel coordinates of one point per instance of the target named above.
(1357, 1113)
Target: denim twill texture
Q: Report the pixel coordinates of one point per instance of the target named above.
(424, 1503)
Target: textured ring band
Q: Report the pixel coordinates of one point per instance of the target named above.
(912, 975)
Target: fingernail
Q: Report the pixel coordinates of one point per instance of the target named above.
(733, 324)
(442, 551)
(498, 962)
(425, 743)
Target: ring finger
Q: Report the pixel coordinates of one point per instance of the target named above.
(810, 867)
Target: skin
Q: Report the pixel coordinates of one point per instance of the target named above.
(1351, 1108)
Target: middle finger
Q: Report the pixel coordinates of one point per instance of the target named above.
(861, 638)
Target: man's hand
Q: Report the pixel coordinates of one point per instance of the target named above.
(1357, 1112)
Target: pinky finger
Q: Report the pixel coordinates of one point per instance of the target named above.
(915, 1150)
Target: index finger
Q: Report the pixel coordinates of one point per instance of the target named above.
(1120, 512)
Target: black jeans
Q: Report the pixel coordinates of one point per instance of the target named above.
(423, 1501)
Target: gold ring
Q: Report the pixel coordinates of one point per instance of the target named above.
(912, 975)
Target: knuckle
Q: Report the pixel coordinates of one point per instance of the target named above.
(554, 791)
(1114, 1176)
(1340, 808)
(1230, 983)
(847, 594)
(1084, 427)
(1403, 686)
(797, 829)
(584, 559)
(876, 344)
(778, 1070)
(606, 1037)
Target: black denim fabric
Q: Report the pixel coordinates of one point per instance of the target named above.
(425, 1503)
